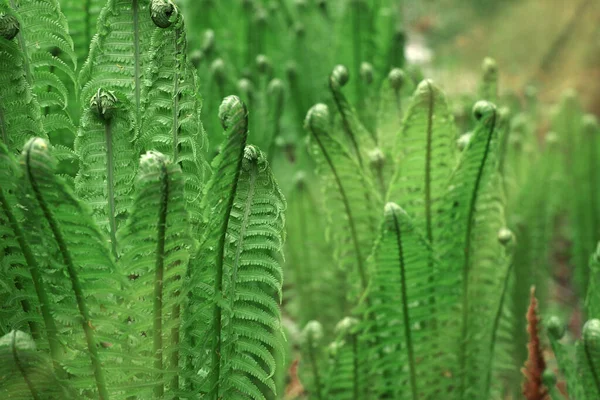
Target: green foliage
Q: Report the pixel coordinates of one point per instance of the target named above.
(417, 224)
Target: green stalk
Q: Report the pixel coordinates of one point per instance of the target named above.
(314, 367)
(157, 339)
(405, 316)
(86, 323)
(21, 369)
(38, 283)
(347, 208)
(137, 61)
(110, 188)
(466, 269)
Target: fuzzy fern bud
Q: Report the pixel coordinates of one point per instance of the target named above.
(103, 104)
(230, 106)
(483, 110)
(317, 117)
(490, 70)
(548, 378)
(208, 41)
(555, 327)
(9, 26)
(397, 77)
(346, 326)
(366, 72)
(312, 333)
(340, 75)
(463, 141)
(590, 124)
(591, 335)
(263, 64)
(376, 159)
(276, 89)
(217, 68)
(246, 88)
(162, 12)
(505, 236)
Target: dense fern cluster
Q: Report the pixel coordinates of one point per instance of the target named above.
(141, 243)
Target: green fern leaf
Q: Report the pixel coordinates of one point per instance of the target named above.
(348, 190)
(49, 60)
(206, 272)
(20, 257)
(106, 153)
(76, 258)
(413, 336)
(20, 117)
(119, 52)
(27, 373)
(156, 245)
(473, 217)
(171, 122)
(254, 281)
(425, 152)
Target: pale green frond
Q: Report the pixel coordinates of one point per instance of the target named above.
(203, 321)
(156, 245)
(171, 120)
(425, 156)
(119, 52)
(20, 117)
(26, 372)
(254, 249)
(351, 200)
(107, 160)
(78, 268)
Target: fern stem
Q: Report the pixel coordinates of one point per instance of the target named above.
(110, 186)
(24, 52)
(157, 339)
(589, 358)
(405, 316)
(86, 323)
(314, 367)
(357, 36)
(21, 369)
(176, 96)
(175, 345)
(355, 366)
(346, 124)
(36, 277)
(467, 259)
(353, 232)
(218, 289)
(136, 59)
(497, 319)
(3, 128)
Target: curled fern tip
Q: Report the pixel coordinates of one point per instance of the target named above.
(103, 104)
(9, 26)
(162, 12)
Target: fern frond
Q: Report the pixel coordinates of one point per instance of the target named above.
(588, 359)
(473, 217)
(425, 156)
(156, 245)
(253, 283)
(171, 120)
(49, 61)
(411, 356)
(352, 198)
(119, 52)
(106, 153)
(20, 116)
(77, 259)
(26, 372)
(20, 257)
(359, 138)
(556, 331)
(206, 271)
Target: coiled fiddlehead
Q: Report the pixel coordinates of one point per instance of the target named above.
(163, 13)
(103, 104)
(9, 26)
